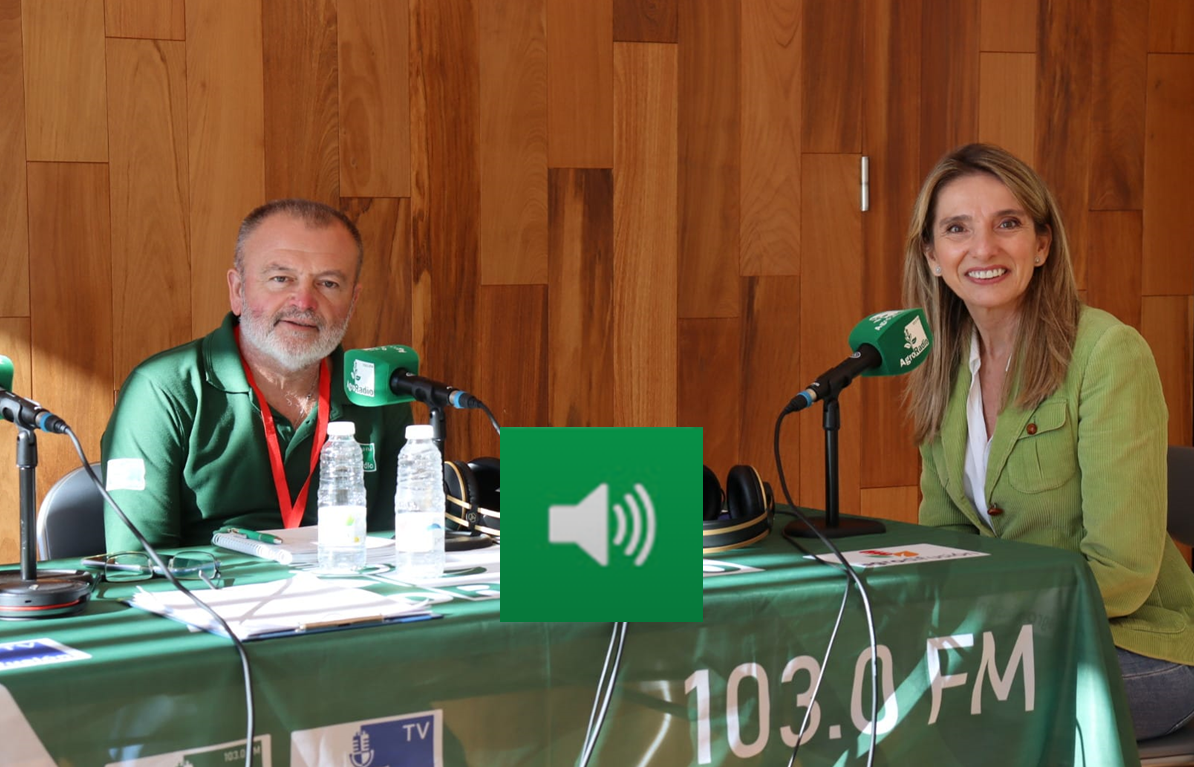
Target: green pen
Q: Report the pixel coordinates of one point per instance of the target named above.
(252, 534)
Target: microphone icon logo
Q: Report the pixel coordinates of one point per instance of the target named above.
(916, 341)
(361, 378)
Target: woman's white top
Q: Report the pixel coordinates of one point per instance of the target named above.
(978, 442)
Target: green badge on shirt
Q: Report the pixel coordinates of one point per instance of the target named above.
(601, 524)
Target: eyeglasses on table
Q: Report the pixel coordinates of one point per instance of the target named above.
(129, 566)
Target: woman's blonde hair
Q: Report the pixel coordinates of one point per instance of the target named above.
(1048, 312)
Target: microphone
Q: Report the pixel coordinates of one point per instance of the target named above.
(387, 375)
(25, 412)
(884, 344)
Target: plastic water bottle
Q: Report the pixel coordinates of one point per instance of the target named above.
(419, 507)
(341, 501)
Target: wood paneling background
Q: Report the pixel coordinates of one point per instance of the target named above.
(587, 212)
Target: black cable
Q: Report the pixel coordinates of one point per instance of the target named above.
(605, 682)
(851, 576)
(157, 560)
(489, 413)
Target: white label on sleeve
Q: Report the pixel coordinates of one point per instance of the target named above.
(125, 474)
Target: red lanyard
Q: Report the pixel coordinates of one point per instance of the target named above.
(292, 514)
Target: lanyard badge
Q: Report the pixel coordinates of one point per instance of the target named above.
(292, 513)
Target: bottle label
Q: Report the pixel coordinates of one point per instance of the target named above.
(341, 525)
(414, 531)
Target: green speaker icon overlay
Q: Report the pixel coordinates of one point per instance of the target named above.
(601, 524)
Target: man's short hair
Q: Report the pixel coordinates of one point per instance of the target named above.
(314, 214)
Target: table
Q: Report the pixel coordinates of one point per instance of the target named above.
(999, 659)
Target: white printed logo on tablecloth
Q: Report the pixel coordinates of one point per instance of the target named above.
(219, 755)
(411, 740)
(473, 576)
(715, 567)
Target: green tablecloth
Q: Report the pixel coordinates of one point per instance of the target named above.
(1017, 643)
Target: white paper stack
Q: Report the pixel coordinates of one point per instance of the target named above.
(295, 605)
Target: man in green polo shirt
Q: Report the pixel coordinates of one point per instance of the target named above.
(225, 430)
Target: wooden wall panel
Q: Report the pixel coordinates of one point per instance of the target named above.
(580, 354)
(1168, 167)
(891, 138)
(1063, 116)
(147, 118)
(770, 377)
(65, 109)
(949, 82)
(1118, 81)
(771, 118)
(708, 350)
(71, 321)
(445, 194)
(1170, 26)
(512, 380)
(14, 344)
(225, 114)
(474, 144)
(710, 158)
(383, 311)
(1165, 323)
(646, 21)
(645, 245)
(830, 307)
(580, 82)
(1006, 106)
(14, 208)
(150, 19)
(1008, 26)
(899, 503)
(1113, 281)
(374, 94)
(513, 71)
(302, 156)
(832, 88)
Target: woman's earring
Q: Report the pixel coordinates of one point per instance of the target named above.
(1037, 261)
(937, 270)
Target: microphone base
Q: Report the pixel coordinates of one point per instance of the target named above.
(53, 596)
(844, 527)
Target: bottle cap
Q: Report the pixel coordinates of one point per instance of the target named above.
(420, 431)
(341, 429)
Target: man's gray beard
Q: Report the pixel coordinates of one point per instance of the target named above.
(294, 356)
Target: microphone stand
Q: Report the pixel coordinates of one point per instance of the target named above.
(436, 419)
(27, 596)
(27, 471)
(831, 525)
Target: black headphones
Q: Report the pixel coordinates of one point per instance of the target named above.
(473, 494)
(751, 507)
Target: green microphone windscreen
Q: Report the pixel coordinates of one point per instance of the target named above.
(902, 338)
(367, 374)
(5, 373)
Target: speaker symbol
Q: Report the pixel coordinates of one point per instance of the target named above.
(587, 524)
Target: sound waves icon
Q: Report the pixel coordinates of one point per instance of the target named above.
(587, 524)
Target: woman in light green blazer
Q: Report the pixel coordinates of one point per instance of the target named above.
(1042, 420)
